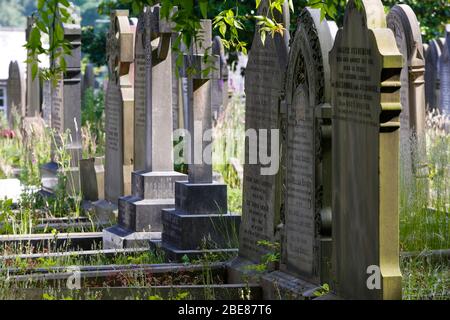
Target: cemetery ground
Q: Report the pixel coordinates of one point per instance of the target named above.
(41, 269)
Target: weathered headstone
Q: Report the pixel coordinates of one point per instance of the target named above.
(201, 211)
(365, 96)
(264, 78)
(154, 179)
(66, 118)
(33, 98)
(16, 96)
(47, 102)
(307, 247)
(219, 94)
(403, 22)
(432, 74)
(119, 110)
(444, 74)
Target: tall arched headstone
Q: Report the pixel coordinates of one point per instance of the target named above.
(264, 84)
(119, 110)
(432, 74)
(306, 254)
(403, 22)
(444, 74)
(308, 167)
(365, 96)
(16, 93)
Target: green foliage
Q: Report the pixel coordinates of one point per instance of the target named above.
(93, 44)
(272, 256)
(93, 123)
(48, 21)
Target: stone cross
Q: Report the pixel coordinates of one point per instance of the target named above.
(119, 108)
(199, 104)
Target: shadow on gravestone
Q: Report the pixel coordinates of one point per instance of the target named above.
(154, 179)
(119, 110)
(365, 77)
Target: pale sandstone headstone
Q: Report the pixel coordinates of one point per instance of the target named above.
(365, 96)
(119, 110)
(403, 22)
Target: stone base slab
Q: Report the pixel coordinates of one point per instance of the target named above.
(194, 232)
(199, 199)
(119, 238)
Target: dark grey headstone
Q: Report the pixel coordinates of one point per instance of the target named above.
(444, 74)
(308, 163)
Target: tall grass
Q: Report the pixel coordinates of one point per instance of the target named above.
(228, 148)
(424, 202)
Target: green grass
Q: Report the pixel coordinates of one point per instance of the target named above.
(423, 280)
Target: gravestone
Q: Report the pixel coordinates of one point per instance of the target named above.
(219, 94)
(403, 22)
(201, 211)
(92, 178)
(66, 119)
(119, 110)
(365, 95)
(33, 98)
(153, 181)
(432, 74)
(47, 102)
(16, 96)
(307, 244)
(444, 74)
(264, 78)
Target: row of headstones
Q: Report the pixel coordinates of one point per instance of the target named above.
(346, 102)
(437, 73)
(154, 205)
